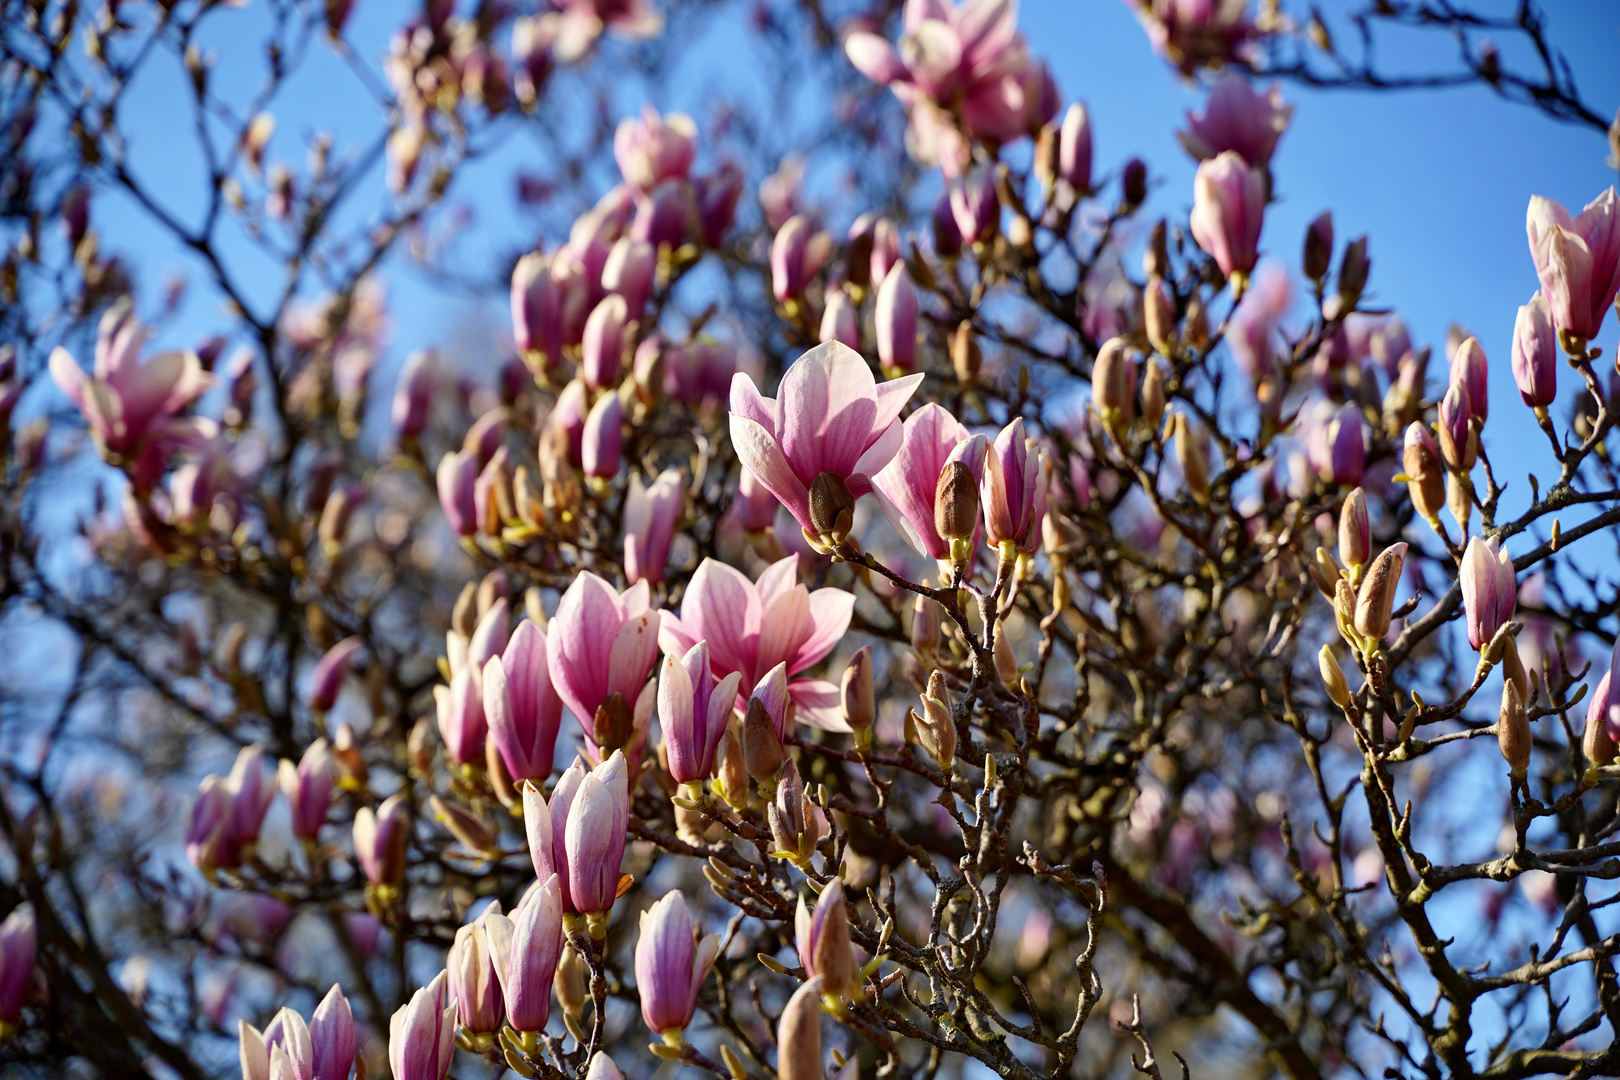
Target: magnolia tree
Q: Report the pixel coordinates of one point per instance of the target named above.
(858, 626)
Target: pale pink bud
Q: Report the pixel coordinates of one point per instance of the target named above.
(894, 319)
(670, 966)
(975, 207)
(1074, 149)
(694, 713)
(1577, 260)
(1488, 589)
(456, 479)
(1240, 118)
(653, 148)
(472, 982)
(603, 437)
(629, 273)
(462, 724)
(330, 671)
(525, 950)
(422, 1035)
(1229, 203)
(840, 321)
(650, 517)
(1535, 354)
(308, 788)
(602, 349)
(1469, 368)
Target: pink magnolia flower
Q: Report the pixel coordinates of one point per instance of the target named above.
(1013, 490)
(962, 61)
(831, 426)
(473, 982)
(894, 320)
(422, 1035)
(1577, 260)
(16, 960)
(1229, 205)
(580, 833)
(670, 965)
(1251, 333)
(650, 516)
(134, 407)
(841, 321)
(576, 27)
(750, 628)
(525, 949)
(651, 148)
(600, 651)
(1195, 33)
(1489, 589)
(694, 710)
(907, 485)
(1237, 117)
(797, 254)
(521, 706)
(1535, 354)
(308, 788)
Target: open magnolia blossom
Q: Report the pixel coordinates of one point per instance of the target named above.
(817, 444)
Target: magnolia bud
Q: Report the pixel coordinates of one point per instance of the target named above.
(936, 731)
(1513, 666)
(1156, 256)
(1426, 482)
(832, 507)
(1110, 383)
(856, 692)
(730, 771)
(1355, 532)
(925, 628)
(1006, 662)
(1133, 183)
(1159, 315)
(1153, 396)
(966, 356)
(1338, 690)
(1377, 596)
(1192, 451)
(956, 502)
(1319, 246)
(569, 982)
(798, 1035)
(761, 747)
(1353, 271)
(1513, 731)
(1596, 742)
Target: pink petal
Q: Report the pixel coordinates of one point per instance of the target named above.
(777, 579)
(830, 611)
(634, 649)
(817, 704)
(746, 400)
(722, 608)
(880, 453)
(826, 407)
(785, 626)
(761, 455)
(581, 642)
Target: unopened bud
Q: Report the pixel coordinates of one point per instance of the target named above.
(1192, 451)
(569, 982)
(462, 825)
(1006, 662)
(1153, 396)
(956, 502)
(832, 507)
(966, 356)
(1159, 315)
(1355, 531)
(925, 628)
(1110, 383)
(936, 731)
(1133, 183)
(730, 772)
(1513, 731)
(613, 724)
(1156, 256)
(1195, 324)
(1319, 246)
(1377, 597)
(1353, 271)
(1338, 690)
(856, 691)
(761, 747)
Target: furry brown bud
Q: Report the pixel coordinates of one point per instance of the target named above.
(832, 507)
(1513, 731)
(1377, 597)
(761, 747)
(956, 502)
